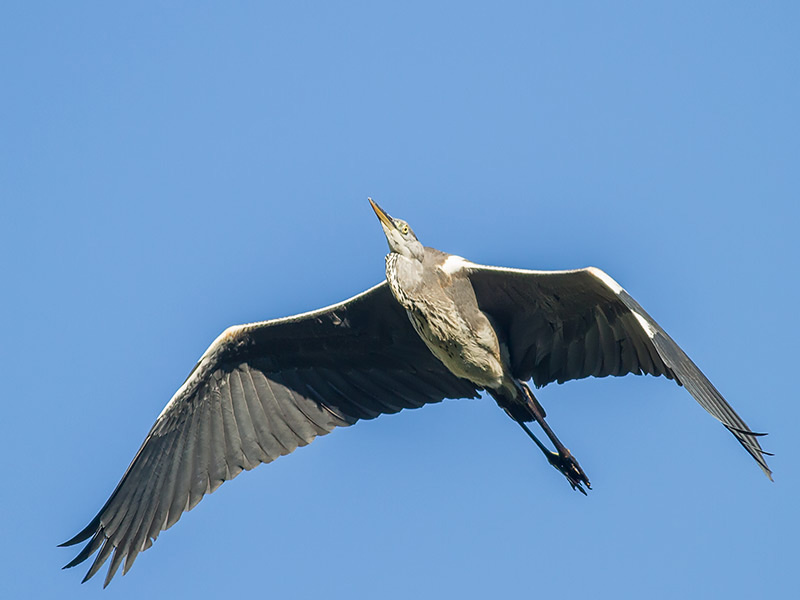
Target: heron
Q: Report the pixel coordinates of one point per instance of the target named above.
(438, 327)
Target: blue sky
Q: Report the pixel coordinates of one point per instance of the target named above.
(169, 171)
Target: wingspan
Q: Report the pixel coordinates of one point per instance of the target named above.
(259, 392)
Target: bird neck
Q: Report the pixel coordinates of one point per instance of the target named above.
(404, 276)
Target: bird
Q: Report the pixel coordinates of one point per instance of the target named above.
(439, 326)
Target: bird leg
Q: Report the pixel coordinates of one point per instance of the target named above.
(562, 459)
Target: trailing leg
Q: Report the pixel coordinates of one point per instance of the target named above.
(563, 460)
(525, 408)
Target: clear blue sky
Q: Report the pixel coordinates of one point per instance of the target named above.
(168, 171)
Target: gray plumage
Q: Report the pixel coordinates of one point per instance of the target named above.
(439, 327)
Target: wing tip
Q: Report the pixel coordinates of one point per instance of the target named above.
(749, 440)
(765, 468)
(79, 537)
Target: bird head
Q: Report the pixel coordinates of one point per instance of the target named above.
(399, 235)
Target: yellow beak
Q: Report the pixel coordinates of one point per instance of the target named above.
(382, 214)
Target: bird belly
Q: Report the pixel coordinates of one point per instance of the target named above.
(470, 354)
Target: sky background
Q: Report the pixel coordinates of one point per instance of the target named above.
(167, 171)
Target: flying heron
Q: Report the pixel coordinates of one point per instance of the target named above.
(438, 327)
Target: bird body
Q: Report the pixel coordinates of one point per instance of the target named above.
(438, 327)
(444, 312)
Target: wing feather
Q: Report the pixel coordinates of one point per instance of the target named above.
(261, 430)
(168, 466)
(201, 480)
(278, 426)
(251, 451)
(609, 353)
(218, 471)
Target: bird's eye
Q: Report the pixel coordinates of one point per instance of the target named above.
(404, 229)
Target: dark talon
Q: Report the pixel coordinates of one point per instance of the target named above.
(563, 460)
(570, 468)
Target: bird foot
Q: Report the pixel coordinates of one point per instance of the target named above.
(569, 467)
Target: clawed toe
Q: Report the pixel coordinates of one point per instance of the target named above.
(561, 460)
(570, 468)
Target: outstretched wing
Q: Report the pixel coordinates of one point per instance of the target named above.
(259, 392)
(564, 325)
